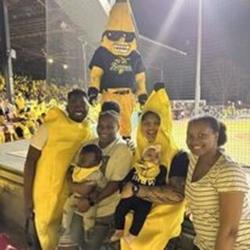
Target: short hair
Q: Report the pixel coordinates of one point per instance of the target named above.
(92, 148)
(215, 125)
(111, 105)
(76, 93)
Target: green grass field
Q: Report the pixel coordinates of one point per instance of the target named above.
(238, 144)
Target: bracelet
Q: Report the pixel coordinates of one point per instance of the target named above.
(91, 202)
(135, 189)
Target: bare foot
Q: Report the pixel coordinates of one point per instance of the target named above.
(116, 236)
(129, 238)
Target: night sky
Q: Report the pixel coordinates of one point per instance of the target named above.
(230, 17)
(152, 14)
(225, 32)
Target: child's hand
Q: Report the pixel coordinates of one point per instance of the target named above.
(127, 191)
(83, 188)
(83, 205)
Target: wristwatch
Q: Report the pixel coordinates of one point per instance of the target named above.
(135, 189)
(91, 202)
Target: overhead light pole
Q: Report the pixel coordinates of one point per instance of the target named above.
(198, 60)
(6, 48)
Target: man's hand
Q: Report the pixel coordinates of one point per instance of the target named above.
(127, 191)
(83, 205)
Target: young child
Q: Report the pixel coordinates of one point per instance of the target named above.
(87, 168)
(148, 172)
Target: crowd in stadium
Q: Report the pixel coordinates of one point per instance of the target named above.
(32, 99)
(185, 110)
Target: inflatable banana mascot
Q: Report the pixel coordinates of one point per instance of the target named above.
(116, 68)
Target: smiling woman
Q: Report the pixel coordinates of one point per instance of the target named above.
(150, 123)
(164, 220)
(217, 189)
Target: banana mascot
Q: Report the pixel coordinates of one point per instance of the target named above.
(116, 68)
(164, 221)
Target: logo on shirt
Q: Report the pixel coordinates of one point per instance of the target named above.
(121, 65)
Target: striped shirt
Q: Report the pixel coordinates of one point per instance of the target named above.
(203, 200)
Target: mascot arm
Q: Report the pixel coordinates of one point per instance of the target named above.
(140, 79)
(141, 91)
(95, 77)
(95, 82)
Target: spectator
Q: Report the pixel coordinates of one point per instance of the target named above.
(164, 221)
(116, 164)
(147, 172)
(50, 153)
(87, 168)
(217, 190)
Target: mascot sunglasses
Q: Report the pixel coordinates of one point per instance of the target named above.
(117, 35)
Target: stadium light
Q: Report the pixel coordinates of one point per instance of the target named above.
(165, 29)
(50, 60)
(65, 66)
(198, 60)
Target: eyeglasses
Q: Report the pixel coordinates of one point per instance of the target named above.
(117, 35)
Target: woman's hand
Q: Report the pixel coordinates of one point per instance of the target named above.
(127, 191)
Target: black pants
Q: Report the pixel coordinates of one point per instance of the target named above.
(141, 209)
(196, 248)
